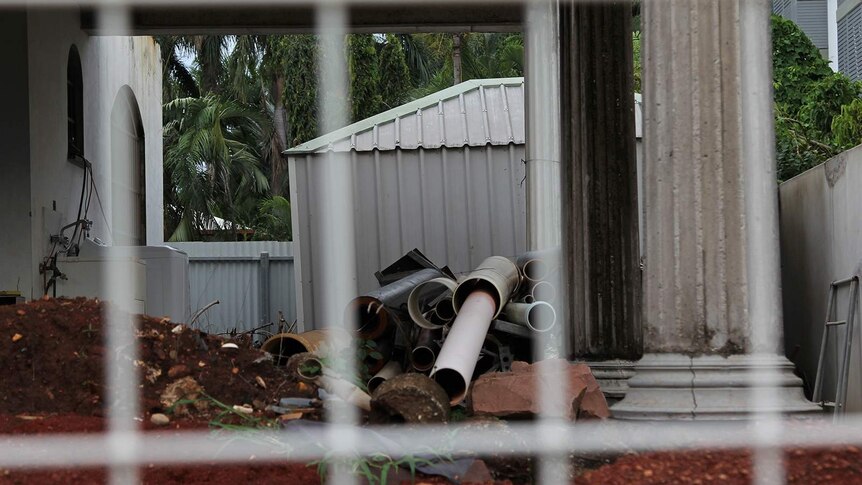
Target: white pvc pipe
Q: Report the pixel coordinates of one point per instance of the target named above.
(347, 391)
(390, 370)
(537, 316)
(543, 291)
(419, 301)
(457, 360)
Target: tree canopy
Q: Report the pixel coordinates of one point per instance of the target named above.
(234, 104)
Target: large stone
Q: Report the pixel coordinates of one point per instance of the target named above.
(517, 393)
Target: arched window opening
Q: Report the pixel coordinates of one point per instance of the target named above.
(128, 172)
(75, 106)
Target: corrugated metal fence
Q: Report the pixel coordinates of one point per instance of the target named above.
(253, 281)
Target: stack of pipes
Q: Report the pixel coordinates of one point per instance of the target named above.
(431, 322)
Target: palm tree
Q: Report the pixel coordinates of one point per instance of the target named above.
(213, 161)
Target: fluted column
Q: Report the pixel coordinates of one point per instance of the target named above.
(599, 176)
(698, 156)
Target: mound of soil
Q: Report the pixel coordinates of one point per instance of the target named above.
(822, 466)
(53, 352)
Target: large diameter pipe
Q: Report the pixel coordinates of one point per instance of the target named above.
(285, 345)
(375, 311)
(424, 296)
(497, 276)
(426, 349)
(537, 316)
(390, 370)
(457, 359)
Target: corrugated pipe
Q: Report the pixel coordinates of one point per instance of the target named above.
(457, 360)
(537, 316)
(333, 384)
(426, 349)
(390, 370)
(376, 311)
(284, 345)
(425, 296)
(543, 291)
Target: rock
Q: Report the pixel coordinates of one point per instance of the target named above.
(179, 370)
(409, 398)
(243, 409)
(515, 393)
(160, 419)
(186, 389)
(178, 329)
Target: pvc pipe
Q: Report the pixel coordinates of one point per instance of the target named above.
(344, 389)
(457, 359)
(390, 370)
(424, 295)
(375, 311)
(445, 310)
(425, 352)
(537, 265)
(497, 276)
(334, 384)
(538, 316)
(543, 291)
(284, 345)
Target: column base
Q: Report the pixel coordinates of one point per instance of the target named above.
(712, 387)
(613, 376)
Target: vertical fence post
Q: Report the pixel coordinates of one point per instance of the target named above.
(264, 288)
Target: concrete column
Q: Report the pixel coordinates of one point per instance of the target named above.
(599, 177)
(700, 330)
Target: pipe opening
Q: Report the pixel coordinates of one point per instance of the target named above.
(310, 369)
(541, 317)
(470, 286)
(374, 383)
(283, 347)
(445, 309)
(371, 316)
(544, 291)
(535, 269)
(423, 358)
(452, 382)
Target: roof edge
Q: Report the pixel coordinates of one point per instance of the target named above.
(323, 141)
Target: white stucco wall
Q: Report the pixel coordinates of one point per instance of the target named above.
(108, 64)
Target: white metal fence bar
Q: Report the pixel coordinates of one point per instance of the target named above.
(516, 439)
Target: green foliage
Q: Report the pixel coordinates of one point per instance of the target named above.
(636, 54)
(394, 84)
(211, 160)
(364, 73)
(375, 469)
(300, 96)
(796, 63)
(809, 97)
(847, 126)
(824, 99)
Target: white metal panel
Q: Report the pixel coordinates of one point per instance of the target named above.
(811, 17)
(230, 272)
(458, 206)
(850, 43)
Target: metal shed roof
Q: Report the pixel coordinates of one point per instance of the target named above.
(474, 113)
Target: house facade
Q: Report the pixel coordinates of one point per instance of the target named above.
(81, 140)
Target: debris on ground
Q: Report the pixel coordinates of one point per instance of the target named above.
(514, 394)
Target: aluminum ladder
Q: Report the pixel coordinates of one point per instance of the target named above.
(833, 322)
